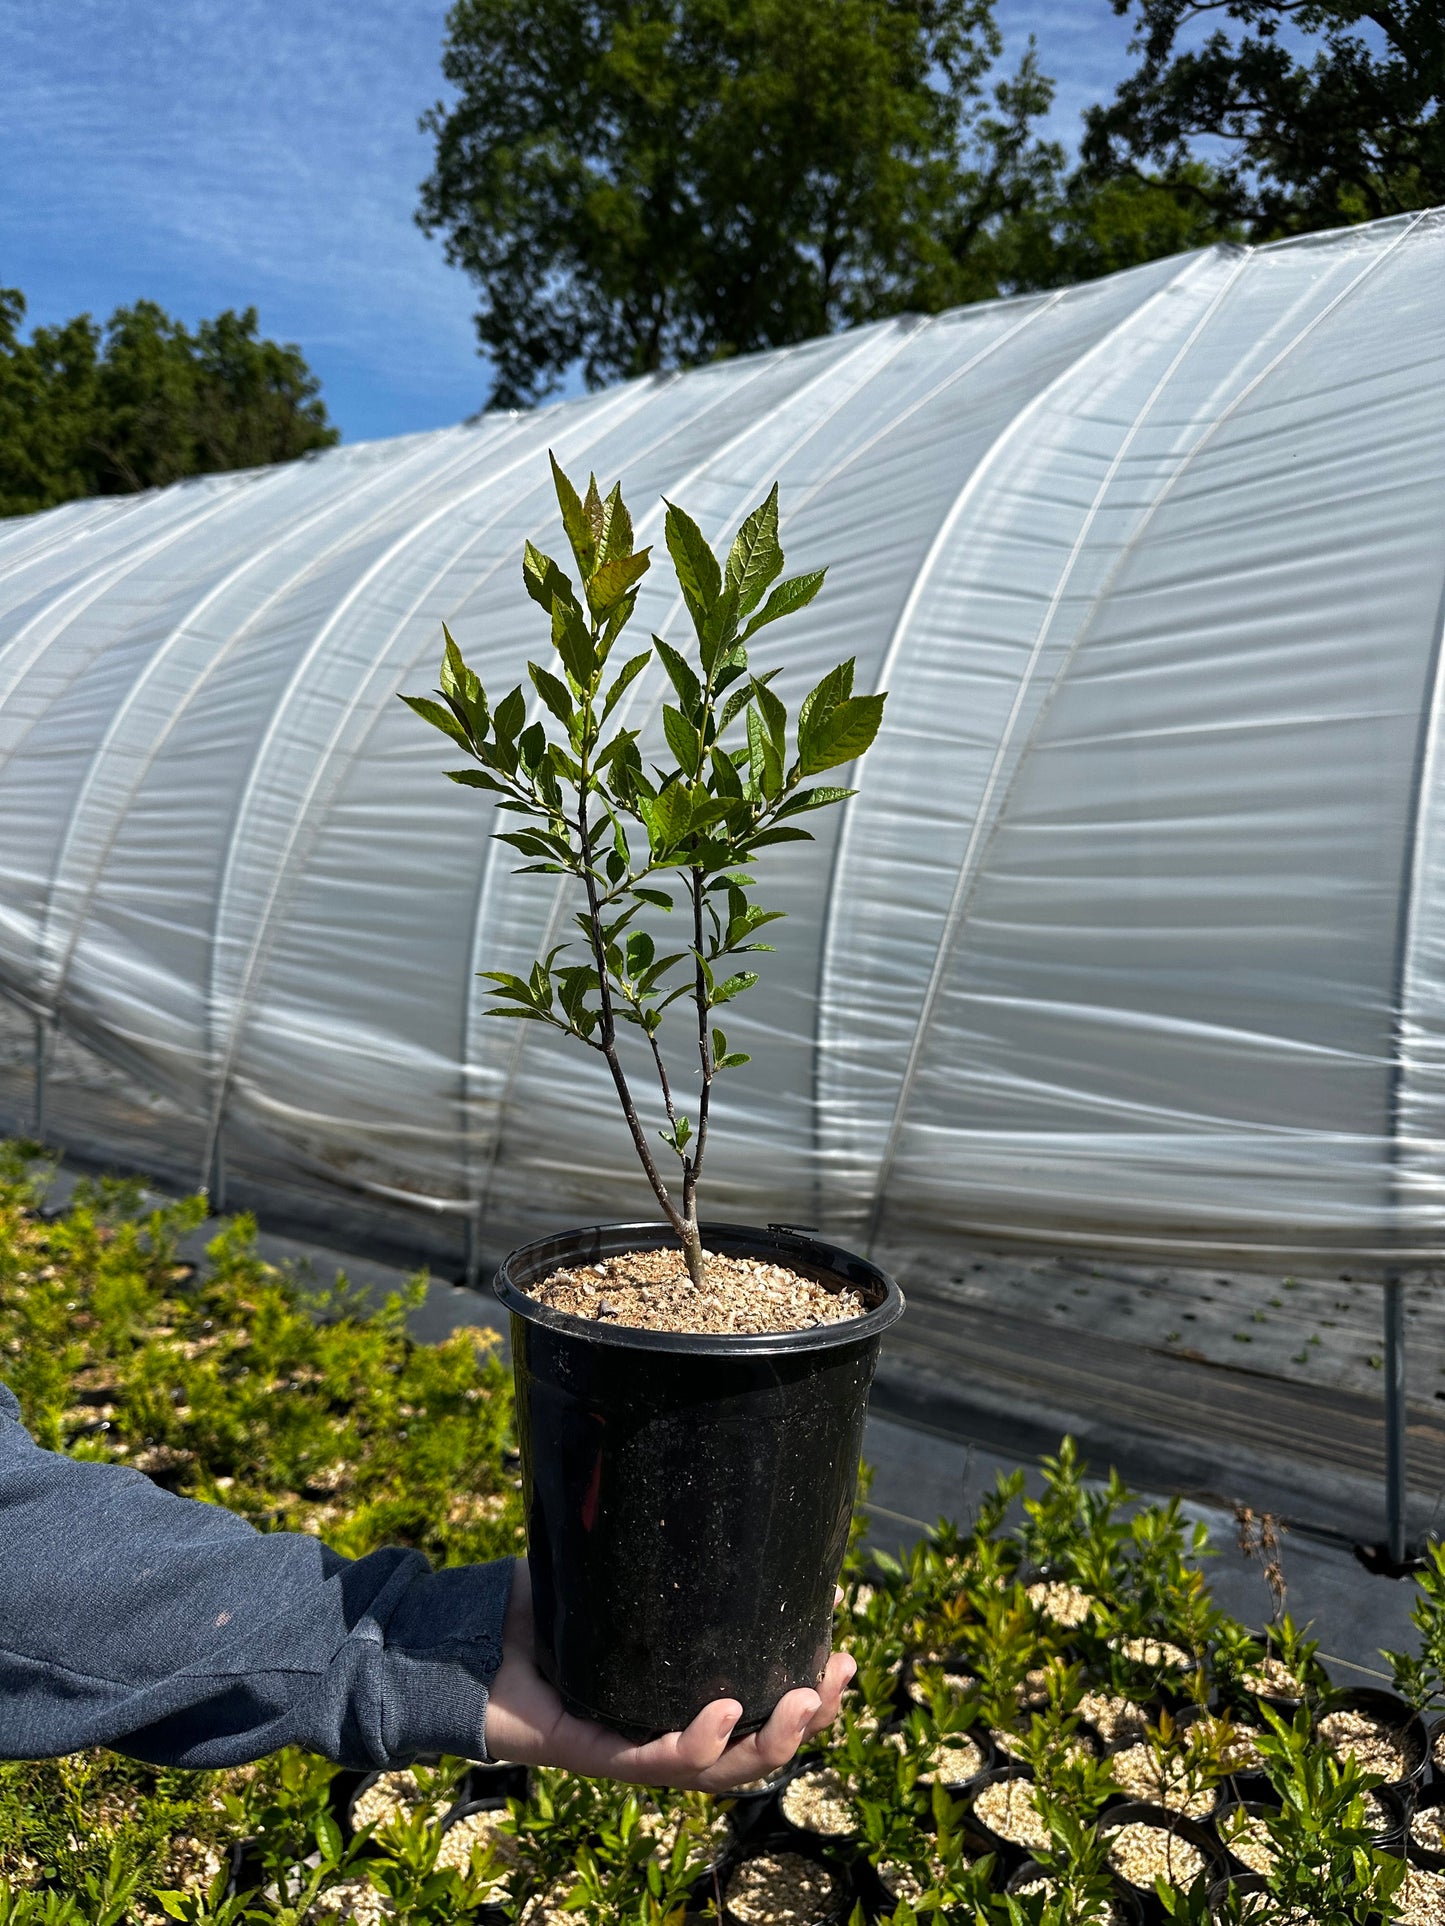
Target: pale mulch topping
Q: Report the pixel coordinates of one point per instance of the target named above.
(1007, 1808)
(1247, 1837)
(1273, 1679)
(1141, 1853)
(900, 1883)
(1067, 1605)
(1012, 1746)
(356, 1901)
(1162, 1782)
(1157, 1653)
(1421, 1898)
(1437, 1747)
(483, 1830)
(1427, 1830)
(651, 1291)
(664, 1829)
(190, 1864)
(782, 1889)
(391, 1794)
(1375, 1745)
(955, 1682)
(955, 1759)
(1117, 1721)
(818, 1802)
(1106, 1914)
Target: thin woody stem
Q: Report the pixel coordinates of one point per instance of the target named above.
(693, 1168)
(608, 1042)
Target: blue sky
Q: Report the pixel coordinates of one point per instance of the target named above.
(222, 153)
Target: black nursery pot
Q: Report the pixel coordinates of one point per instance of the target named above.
(688, 1496)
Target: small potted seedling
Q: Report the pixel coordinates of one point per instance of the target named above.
(690, 1396)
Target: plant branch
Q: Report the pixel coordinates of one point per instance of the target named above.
(608, 1040)
(693, 1168)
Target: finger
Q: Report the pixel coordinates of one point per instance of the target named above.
(677, 1758)
(835, 1681)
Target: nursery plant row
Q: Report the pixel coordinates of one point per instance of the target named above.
(1052, 1721)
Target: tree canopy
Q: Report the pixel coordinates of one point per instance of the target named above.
(1311, 113)
(143, 401)
(643, 184)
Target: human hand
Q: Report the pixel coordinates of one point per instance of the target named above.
(527, 1723)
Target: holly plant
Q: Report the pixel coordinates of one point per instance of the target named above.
(635, 838)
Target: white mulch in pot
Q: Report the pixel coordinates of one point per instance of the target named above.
(1118, 1722)
(1144, 1775)
(1140, 1853)
(485, 1830)
(1065, 1605)
(1427, 1828)
(1159, 1654)
(1376, 1745)
(1009, 1810)
(1109, 1915)
(1273, 1679)
(353, 1902)
(817, 1801)
(1421, 1898)
(955, 1682)
(783, 1889)
(393, 1794)
(1247, 1837)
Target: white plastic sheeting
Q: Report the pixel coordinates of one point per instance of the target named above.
(1134, 934)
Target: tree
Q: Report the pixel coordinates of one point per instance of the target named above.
(646, 184)
(1311, 113)
(142, 402)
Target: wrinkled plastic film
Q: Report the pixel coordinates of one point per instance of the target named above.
(1134, 934)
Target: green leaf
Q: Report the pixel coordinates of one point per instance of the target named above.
(698, 574)
(835, 687)
(510, 714)
(816, 798)
(679, 671)
(659, 898)
(719, 629)
(725, 775)
(756, 559)
(614, 580)
(542, 578)
(462, 690)
(574, 519)
(666, 816)
(596, 514)
(681, 738)
(572, 640)
(626, 675)
(734, 986)
(775, 715)
(779, 836)
(553, 692)
(476, 779)
(739, 700)
(842, 736)
(440, 717)
(786, 599)
(765, 761)
(616, 537)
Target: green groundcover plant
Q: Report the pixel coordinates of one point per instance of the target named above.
(1071, 1634)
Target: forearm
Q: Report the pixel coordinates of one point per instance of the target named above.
(174, 1631)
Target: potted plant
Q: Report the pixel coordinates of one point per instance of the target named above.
(690, 1396)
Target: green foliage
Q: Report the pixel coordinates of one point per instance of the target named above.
(103, 1325)
(638, 838)
(86, 410)
(1420, 1676)
(1311, 115)
(644, 187)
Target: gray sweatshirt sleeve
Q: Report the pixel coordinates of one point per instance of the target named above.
(175, 1632)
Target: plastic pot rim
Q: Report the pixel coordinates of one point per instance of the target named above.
(787, 1246)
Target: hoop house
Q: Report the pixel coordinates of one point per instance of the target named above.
(1135, 933)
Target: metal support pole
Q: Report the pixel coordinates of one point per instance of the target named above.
(1395, 1477)
(42, 1052)
(473, 1269)
(216, 1176)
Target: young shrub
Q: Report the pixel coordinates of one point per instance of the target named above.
(633, 838)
